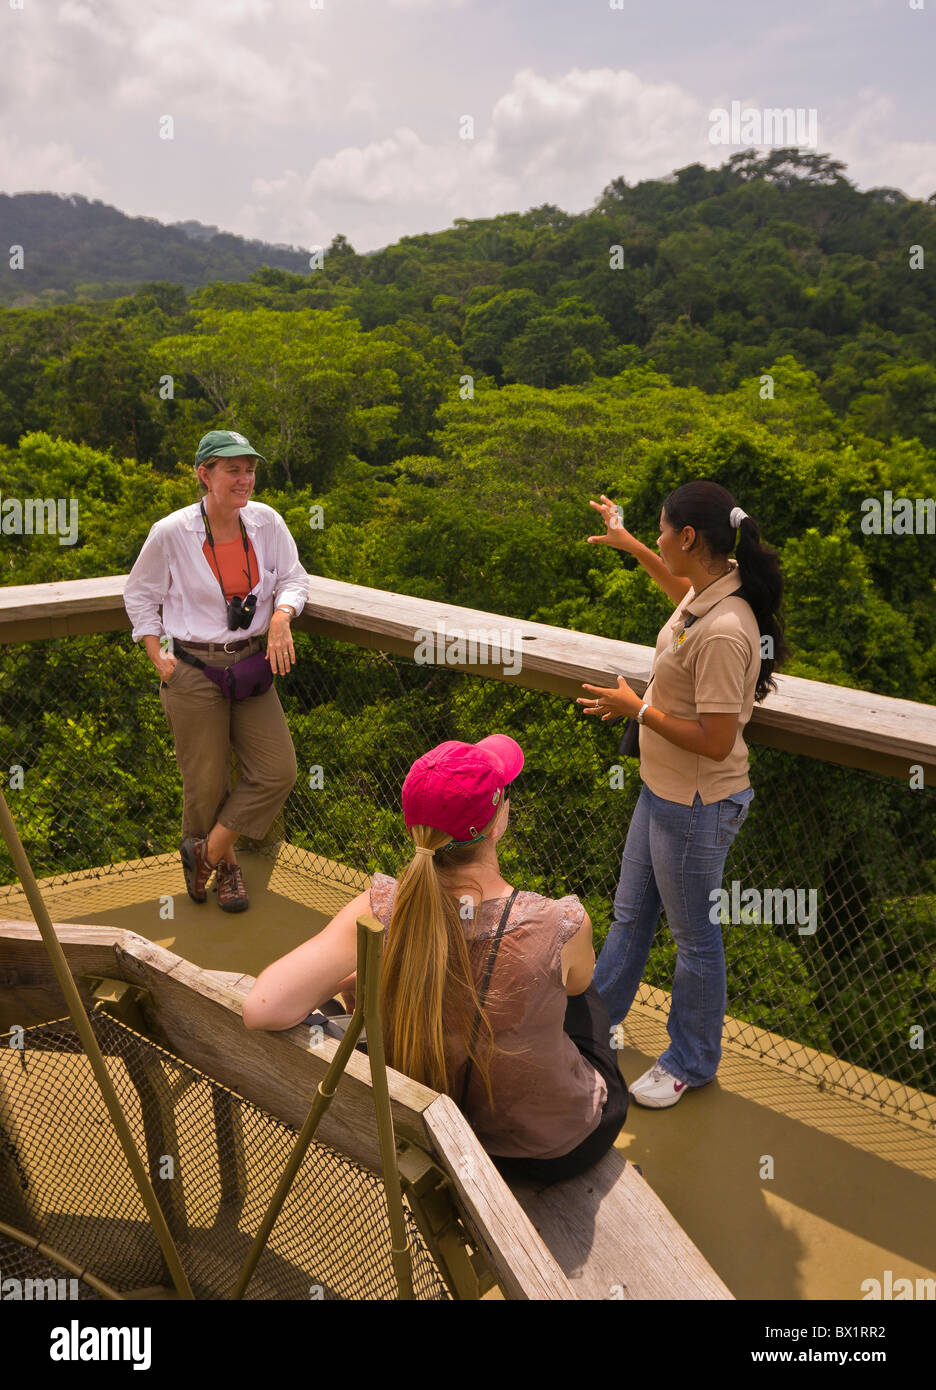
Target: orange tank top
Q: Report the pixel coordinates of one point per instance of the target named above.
(233, 566)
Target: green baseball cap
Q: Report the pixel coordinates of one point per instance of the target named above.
(223, 444)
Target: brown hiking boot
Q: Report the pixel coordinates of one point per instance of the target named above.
(232, 895)
(196, 867)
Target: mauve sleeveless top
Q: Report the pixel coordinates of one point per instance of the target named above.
(547, 1097)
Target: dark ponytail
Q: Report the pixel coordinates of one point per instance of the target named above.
(707, 507)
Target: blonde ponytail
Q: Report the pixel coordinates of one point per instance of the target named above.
(427, 971)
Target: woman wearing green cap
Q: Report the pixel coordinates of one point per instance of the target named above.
(225, 572)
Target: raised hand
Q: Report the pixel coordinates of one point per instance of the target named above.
(616, 534)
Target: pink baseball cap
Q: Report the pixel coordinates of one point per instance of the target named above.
(457, 787)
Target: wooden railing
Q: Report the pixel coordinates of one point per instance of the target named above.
(833, 723)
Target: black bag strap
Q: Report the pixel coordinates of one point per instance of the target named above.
(735, 593)
(183, 655)
(484, 989)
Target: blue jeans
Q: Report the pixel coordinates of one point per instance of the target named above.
(673, 858)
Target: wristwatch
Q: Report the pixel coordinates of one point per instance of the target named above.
(285, 608)
(643, 709)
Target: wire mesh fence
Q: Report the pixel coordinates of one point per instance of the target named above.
(214, 1160)
(28, 1275)
(839, 980)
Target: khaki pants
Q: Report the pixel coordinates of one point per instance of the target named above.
(206, 726)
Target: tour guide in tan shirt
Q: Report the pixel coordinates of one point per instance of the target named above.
(708, 670)
(710, 667)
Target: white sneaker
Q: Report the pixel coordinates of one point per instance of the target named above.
(657, 1088)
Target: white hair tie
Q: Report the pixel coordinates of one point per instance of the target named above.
(737, 516)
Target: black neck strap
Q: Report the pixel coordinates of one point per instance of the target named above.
(691, 618)
(243, 532)
(484, 989)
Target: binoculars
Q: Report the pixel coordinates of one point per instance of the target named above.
(240, 611)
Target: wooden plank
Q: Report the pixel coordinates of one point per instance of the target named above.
(200, 1017)
(811, 717)
(63, 598)
(199, 1012)
(64, 625)
(29, 991)
(22, 953)
(281, 1084)
(828, 722)
(636, 1244)
(280, 1071)
(229, 979)
(614, 1238)
(63, 608)
(524, 1267)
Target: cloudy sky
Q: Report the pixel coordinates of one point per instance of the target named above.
(293, 120)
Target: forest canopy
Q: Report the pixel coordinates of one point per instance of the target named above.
(452, 401)
(436, 416)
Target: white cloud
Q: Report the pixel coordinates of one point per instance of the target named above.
(881, 151)
(787, 34)
(221, 78)
(557, 140)
(292, 124)
(400, 169)
(50, 167)
(212, 60)
(591, 125)
(546, 139)
(362, 101)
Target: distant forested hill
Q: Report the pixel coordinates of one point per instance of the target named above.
(76, 248)
(707, 276)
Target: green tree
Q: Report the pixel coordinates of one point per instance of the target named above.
(311, 385)
(493, 324)
(900, 400)
(558, 348)
(686, 353)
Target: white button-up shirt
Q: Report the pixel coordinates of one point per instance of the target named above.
(171, 570)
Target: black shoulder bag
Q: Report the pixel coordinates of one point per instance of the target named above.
(483, 995)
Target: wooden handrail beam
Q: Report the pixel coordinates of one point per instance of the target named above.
(834, 723)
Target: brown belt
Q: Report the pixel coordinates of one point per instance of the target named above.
(220, 646)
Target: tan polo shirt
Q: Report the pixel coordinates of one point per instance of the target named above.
(710, 667)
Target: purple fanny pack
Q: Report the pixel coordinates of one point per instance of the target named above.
(252, 676)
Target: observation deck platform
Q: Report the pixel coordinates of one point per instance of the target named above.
(850, 1183)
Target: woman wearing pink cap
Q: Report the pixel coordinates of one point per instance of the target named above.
(486, 990)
